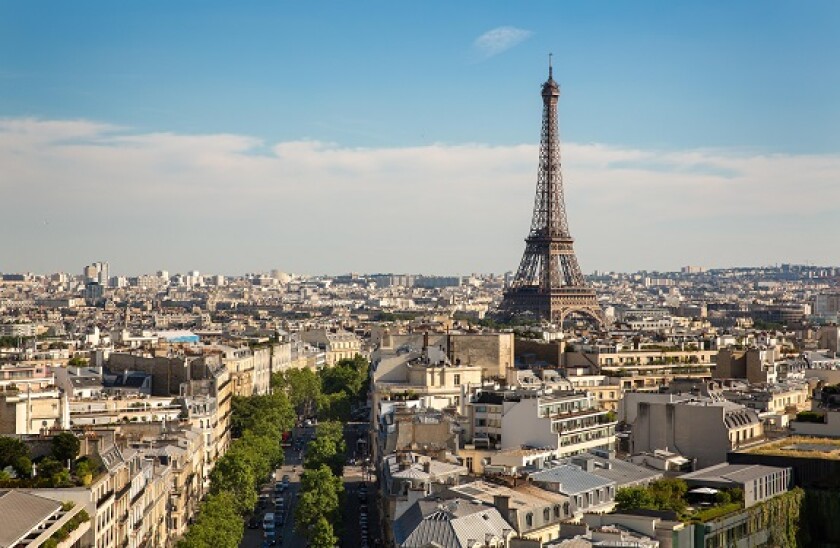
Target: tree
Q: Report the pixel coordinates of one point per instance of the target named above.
(216, 526)
(303, 388)
(233, 474)
(634, 498)
(669, 494)
(348, 376)
(11, 449)
(52, 473)
(723, 497)
(322, 535)
(320, 499)
(23, 466)
(65, 446)
(334, 407)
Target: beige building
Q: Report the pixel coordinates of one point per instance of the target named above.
(599, 357)
(340, 345)
(240, 364)
(32, 412)
(757, 365)
(423, 375)
(534, 513)
(705, 429)
(493, 352)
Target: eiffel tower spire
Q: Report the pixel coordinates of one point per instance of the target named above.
(549, 283)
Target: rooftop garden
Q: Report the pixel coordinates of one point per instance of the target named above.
(802, 447)
(672, 495)
(19, 469)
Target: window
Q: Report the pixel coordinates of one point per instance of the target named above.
(529, 519)
(457, 378)
(556, 510)
(546, 515)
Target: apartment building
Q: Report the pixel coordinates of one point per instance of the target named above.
(32, 412)
(424, 374)
(756, 365)
(587, 492)
(569, 422)
(533, 513)
(338, 345)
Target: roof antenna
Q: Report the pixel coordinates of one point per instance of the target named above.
(549, 67)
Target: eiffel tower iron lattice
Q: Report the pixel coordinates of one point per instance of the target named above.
(549, 283)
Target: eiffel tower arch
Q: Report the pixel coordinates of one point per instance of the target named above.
(549, 284)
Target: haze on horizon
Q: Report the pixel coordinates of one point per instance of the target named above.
(329, 138)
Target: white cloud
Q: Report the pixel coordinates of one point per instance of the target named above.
(495, 41)
(76, 191)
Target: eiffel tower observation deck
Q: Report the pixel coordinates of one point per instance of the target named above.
(549, 284)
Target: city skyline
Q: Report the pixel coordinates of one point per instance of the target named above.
(390, 148)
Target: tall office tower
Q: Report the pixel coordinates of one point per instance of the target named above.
(549, 283)
(104, 273)
(91, 273)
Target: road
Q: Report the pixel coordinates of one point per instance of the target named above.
(293, 466)
(354, 477)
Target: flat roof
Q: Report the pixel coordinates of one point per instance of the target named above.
(799, 446)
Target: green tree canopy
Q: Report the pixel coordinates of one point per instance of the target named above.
(664, 494)
(302, 387)
(634, 498)
(322, 534)
(234, 474)
(216, 526)
(11, 449)
(65, 446)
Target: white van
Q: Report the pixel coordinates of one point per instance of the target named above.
(268, 521)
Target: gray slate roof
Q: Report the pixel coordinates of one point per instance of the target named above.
(572, 479)
(621, 472)
(447, 523)
(21, 512)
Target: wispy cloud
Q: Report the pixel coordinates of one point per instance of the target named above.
(75, 191)
(495, 41)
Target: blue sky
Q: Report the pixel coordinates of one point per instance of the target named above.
(755, 80)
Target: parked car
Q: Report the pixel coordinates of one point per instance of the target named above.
(268, 522)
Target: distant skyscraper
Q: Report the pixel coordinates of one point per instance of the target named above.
(104, 273)
(97, 272)
(549, 283)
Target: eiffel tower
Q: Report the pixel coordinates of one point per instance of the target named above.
(549, 283)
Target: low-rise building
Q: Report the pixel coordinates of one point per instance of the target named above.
(757, 482)
(587, 492)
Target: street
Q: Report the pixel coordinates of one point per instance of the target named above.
(359, 507)
(292, 467)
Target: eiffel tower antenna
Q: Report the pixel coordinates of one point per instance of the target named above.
(549, 283)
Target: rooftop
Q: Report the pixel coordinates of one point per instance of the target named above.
(572, 479)
(22, 512)
(800, 447)
(731, 473)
